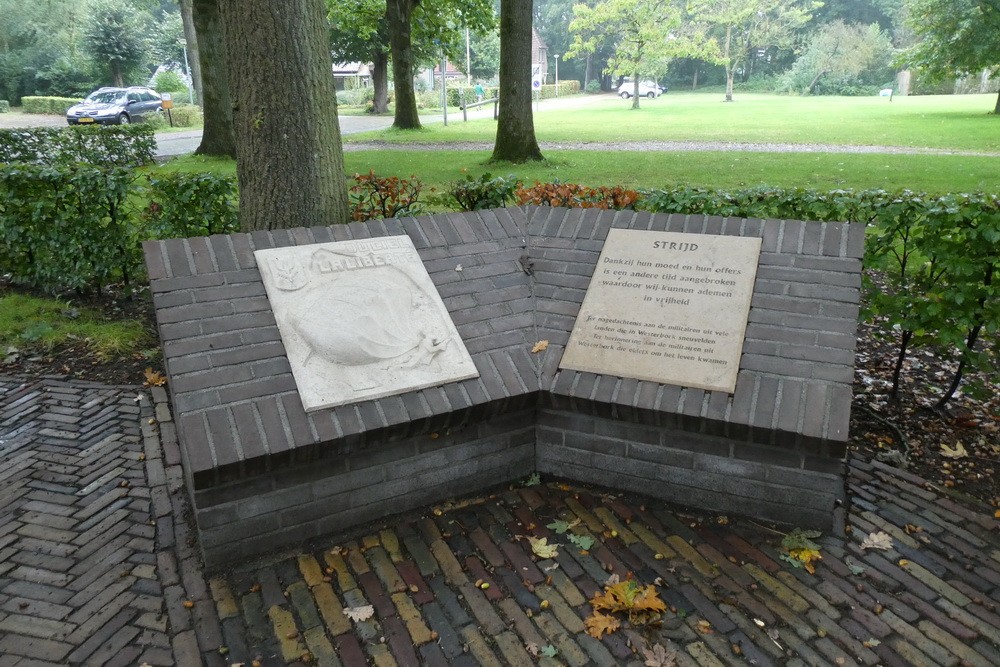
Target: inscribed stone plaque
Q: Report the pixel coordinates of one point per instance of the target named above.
(361, 320)
(667, 307)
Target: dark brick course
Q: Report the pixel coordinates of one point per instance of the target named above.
(510, 277)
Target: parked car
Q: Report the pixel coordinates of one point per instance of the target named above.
(648, 89)
(114, 106)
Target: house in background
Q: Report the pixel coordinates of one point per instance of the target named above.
(539, 56)
(358, 74)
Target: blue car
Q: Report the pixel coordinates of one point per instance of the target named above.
(115, 106)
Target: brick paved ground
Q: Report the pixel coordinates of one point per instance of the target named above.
(97, 568)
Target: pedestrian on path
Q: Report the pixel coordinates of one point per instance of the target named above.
(480, 92)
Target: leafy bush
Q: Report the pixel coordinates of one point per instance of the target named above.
(593, 86)
(356, 97)
(169, 81)
(186, 115)
(577, 196)
(183, 205)
(487, 191)
(374, 197)
(4, 106)
(67, 227)
(124, 145)
(48, 105)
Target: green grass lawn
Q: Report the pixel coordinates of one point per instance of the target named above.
(961, 122)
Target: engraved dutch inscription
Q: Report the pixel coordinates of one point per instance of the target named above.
(361, 320)
(667, 307)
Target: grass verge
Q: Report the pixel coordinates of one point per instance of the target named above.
(37, 323)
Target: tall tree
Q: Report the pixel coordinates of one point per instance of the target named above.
(399, 15)
(117, 34)
(289, 159)
(957, 37)
(358, 32)
(515, 140)
(843, 52)
(192, 46)
(217, 134)
(644, 34)
(744, 25)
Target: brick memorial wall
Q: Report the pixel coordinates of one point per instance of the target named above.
(266, 474)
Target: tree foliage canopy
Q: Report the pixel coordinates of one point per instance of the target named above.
(956, 36)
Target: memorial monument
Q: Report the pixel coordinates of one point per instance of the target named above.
(327, 377)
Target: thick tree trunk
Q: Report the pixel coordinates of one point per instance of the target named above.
(116, 73)
(380, 82)
(515, 140)
(635, 90)
(811, 88)
(289, 158)
(217, 136)
(730, 65)
(193, 48)
(398, 14)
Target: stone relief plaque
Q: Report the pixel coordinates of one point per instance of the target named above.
(667, 307)
(361, 320)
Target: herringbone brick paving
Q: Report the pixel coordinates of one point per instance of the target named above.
(98, 567)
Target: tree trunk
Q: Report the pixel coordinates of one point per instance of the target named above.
(398, 14)
(193, 48)
(217, 136)
(694, 80)
(289, 158)
(586, 73)
(996, 109)
(635, 90)
(380, 82)
(730, 65)
(116, 73)
(811, 88)
(515, 140)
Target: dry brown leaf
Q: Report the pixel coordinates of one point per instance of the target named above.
(154, 378)
(540, 346)
(659, 656)
(540, 547)
(877, 540)
(532, 648)
(600, 624)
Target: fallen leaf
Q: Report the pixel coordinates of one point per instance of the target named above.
(903, 562)
(458, 267)
(871, 643)
(853, 567)
(659, 656)
(540, 547)
(540, 346)
(996, 515)
(188, 604)
(704, 627)
(562, 526)
(534, 479)
(154, 378)
(958, 452)
(600, 624)
(877, 540)
(361, 613)
(549, 651)
(584, 542)
(532, 648)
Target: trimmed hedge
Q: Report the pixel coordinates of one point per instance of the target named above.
(183, 205)
(123, 145)
(66, 227)
(50, 105)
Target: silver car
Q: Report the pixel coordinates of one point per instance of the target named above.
(114, 106)
(648, 89)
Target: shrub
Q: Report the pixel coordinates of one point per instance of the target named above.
(577, 196)
(374, 197)
(169, 81)
(4, 106)
(186, 115)
(487, 191)
(183, 205)
(593, 86)
(123, 145)
(67, 227)
(48, 105)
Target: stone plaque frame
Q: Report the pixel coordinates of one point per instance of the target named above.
(667, 307)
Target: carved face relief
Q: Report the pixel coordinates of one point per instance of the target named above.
(360, 320)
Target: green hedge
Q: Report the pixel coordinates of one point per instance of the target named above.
(183, 205)
(4, 106)
(66, 227)
(50, 105)
(123, 145)
(548, 91)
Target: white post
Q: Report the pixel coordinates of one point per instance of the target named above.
(468, 59)
(187, 70)
(557, 75)
(444, 89)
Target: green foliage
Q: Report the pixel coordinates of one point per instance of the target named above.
(955, 37)
(117, 36)
(593, 86)
(183, 205)
(487, 191)
(66, 227)
(374, 197)
(577, 196)
(4, 106)
(169, 81)
(122, 145)
(186, 115)
(49, 105)
(842, 59)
